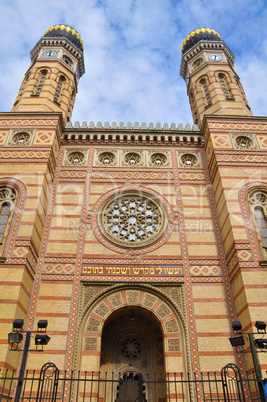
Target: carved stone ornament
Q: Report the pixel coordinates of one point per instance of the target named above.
(90, 344)
(132, 219)
(189, 160)
(160, 159)
(163, 310)
(93, 325)
(20, 138)
(75, 157)
(244, 141)
(172, 326)
(174, 345)
(132, 297)
(131, 347)
(132, 158)
(106, 158)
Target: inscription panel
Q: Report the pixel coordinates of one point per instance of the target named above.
(132, 270)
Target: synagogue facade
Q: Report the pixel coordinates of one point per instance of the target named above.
(140, 244)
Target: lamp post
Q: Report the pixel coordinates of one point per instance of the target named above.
(16, 337)
(238, 340)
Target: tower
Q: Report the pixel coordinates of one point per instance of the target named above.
(235, 148)
(212, 84)
(51, 82)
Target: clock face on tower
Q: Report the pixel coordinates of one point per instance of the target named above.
(50, 53)
(215, 57)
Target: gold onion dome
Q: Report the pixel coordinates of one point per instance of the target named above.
(198, 35)
(64, 31)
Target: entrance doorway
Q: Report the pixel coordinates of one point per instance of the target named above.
(132, 351)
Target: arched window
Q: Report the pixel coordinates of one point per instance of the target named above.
(58, 92)
(40, 83)
(258, 204)
(7, 201)
(206, 92)
(225, 86)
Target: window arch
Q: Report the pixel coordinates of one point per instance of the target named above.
(7, 202)
(206, 92)
(225, 86)
(258, 204)
(40, 82)
(58, 92)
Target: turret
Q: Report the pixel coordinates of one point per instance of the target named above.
(51, 82)
(212, 84)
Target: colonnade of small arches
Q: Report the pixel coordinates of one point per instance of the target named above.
(143, 139)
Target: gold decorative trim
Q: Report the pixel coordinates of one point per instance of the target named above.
(68, 29)
(197, 32)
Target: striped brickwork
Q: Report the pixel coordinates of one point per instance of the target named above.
(234, 173)
(28, 101)
(29, 171)
(236, 105)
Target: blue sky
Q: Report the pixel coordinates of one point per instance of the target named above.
(133, 52)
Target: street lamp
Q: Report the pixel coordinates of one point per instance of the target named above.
(16, 337)
(238, 340)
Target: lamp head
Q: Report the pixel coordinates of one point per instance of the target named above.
(261, 343)
(237, 326)
(15, 337)
(237, 340)
(18, 324)
(42, 324)
(261, 326)
(41, 339)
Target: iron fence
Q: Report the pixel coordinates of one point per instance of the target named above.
(50, 385)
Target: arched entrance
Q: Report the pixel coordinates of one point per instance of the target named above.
(132, 344)
(128, 330)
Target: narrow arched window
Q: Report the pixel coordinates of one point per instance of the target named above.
(206, 92)
(225, 86)
(40, 82)
(58, 92)
(258, 203)
(7, 201)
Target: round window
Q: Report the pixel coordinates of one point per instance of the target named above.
(132, 219)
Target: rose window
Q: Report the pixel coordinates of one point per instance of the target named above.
(106, 158)
(76, 158)
(7, 194)
(188, 160)
(132, 158)
(243, 142)
(158, 159)
(132, 219)
(258, 197)
(21, 139)
(131, 347)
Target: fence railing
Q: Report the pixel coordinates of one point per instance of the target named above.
(52, 386)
